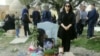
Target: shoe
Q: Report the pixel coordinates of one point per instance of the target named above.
(16, 36)
(88, 37)
(27, 36)
(92, 38)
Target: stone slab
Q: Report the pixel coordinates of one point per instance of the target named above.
(97, 29)
(19, 40)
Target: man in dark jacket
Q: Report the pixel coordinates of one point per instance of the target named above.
(91, 21)
(25, 19)
(36, 16)
(46, 14)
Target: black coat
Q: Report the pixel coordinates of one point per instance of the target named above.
(36, 17)
(67, 19)
(9, 23)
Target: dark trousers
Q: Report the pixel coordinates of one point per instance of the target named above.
(35, 22)
(90, 31)
(66, 45)
(80, 27)
(26, 29)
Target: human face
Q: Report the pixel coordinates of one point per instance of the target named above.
(67, 7)
(83, 8)
(92, 6)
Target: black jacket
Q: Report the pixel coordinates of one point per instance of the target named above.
(66, 19)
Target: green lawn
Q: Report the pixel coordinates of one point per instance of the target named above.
(93, 44)
(4, 39)
(1, 31)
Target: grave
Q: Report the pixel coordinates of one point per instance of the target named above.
(51, 29)
(21, 39)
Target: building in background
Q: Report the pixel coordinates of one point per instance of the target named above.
(3, 11)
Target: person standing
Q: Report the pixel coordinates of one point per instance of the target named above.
(26, 21)
(12, 21)
(46, 14)
(54, 15)
(36, 16)
(66, 31)
(92, 17)
(81, 19)
(6, 23)
(17, 26)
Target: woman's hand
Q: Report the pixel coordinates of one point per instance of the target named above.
(66, 27)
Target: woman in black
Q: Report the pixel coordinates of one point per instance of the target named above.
(66, 30)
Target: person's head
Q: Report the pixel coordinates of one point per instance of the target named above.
(37, 8)
(93, 6)
(83, 7)
(7, 15)
(68, 7)
(46, 7)
(27, 6)
(12, 15)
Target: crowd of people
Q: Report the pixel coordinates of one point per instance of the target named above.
(84, 18)
(71, 24)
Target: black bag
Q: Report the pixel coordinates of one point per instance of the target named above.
(98, 23)
(26, 19)
(97, 15)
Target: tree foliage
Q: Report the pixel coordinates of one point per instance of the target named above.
(58, 3)
(25, 2)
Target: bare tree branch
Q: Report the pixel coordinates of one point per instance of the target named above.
(79, 2)
(70, 0)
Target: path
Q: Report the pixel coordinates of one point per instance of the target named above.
(21, 39)
(79, 51)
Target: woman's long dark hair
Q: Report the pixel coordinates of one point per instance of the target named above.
(70, 10)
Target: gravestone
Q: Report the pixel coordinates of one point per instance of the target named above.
(51, 29)
(97, 29)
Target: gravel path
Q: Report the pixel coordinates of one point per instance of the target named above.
(9, 51)
(79, 51)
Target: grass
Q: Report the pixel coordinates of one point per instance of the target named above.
(81, 41)
(93, 44)
(4, 41)
(1, 31)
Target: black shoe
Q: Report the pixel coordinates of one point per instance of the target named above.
(88, 37)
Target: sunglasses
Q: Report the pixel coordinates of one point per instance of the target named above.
(67, 5)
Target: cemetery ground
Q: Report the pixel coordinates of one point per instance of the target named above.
(80, 46)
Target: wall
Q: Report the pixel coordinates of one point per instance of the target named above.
(3, 11)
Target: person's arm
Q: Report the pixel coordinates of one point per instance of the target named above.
(91, 14)
(60, 18)
(62, 25)
(72, 22)
(39, 16)
(50, 15)
(66, 27)
(33, 15)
